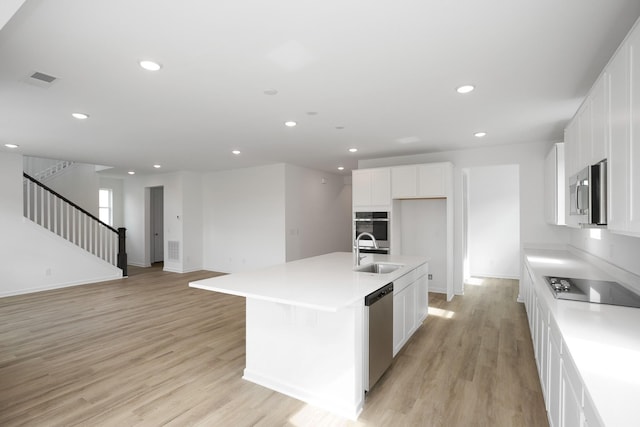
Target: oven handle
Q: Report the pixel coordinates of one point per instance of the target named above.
(371, 219)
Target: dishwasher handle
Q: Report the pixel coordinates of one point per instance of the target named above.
(376, 296)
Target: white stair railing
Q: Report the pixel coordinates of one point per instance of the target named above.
(59, 215)
(52, 170)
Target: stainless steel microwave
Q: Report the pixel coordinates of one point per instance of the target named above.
(588, 195)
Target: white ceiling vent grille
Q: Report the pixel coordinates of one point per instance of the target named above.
(40, 79)
(174, 250)
(43, 77)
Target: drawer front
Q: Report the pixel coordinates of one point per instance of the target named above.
(403, 281)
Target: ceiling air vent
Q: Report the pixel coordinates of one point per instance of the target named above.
(40, 79)
(43, 77)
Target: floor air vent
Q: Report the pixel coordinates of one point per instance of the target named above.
(174, 250)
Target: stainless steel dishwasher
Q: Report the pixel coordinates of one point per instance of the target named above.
(379, 334)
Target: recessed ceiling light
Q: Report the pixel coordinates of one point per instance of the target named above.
(80, 116)
(353, 150)
(480, 134)
(270, 92)
(290, 123)
(340, 168)
(131, 173)
(11, 145)
(150, 65)
(157, 166)
(465, 88)
(236, 152)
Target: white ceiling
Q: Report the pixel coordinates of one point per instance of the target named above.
(385, 71)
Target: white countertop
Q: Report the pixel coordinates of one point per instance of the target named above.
(603, 340)
(325, 282)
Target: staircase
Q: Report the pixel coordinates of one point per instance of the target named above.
(61, 216)
(52, 171)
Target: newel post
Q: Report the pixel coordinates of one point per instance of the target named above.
(122, 250)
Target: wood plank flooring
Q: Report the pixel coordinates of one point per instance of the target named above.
(150, 351)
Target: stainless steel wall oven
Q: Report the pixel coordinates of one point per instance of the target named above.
(376, 223)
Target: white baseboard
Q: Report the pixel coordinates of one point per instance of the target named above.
(59, 286)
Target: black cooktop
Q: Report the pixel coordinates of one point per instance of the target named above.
(593, 291)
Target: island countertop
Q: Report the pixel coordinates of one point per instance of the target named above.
(326, 282)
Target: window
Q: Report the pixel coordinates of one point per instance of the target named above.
(105, 205)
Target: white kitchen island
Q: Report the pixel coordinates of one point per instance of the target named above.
(305, 328)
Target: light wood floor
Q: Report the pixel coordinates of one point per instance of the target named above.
(150, 351)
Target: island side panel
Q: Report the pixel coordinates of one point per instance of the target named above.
(312, 355)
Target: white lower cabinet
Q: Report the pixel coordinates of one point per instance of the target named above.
(554, 389)
(542, 346)
(567, 402)
(410, 295)
(571, 394)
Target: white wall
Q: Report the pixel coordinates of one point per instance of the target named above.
(192, 221)
(494, 221)
(620, 250)
(317, 213)
(116, 185)
(244, 218)
(33, 258)
(176, 213)
(530, 159)
(79, 182)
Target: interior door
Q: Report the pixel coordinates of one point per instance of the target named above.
(157, 224)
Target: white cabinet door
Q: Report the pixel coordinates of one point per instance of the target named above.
(428, 180)
(361, 187)
(404, 182)
(571, 404)
(555, 377)
(600, 120)
(423, 298)
(585, 133)
(571, 148)
(432, 180)
(618, 190)
(633, 178)
(572, 415)
(542, 347)
(381, 187)
(410, 312)
(371, 188)
(554, 192)
(398, 321)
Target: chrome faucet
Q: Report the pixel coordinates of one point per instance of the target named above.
(375, 245)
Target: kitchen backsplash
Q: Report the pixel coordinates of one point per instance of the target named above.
(620, 250)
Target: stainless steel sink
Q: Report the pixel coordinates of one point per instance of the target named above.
(378, 268)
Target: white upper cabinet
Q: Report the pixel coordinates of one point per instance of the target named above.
(600, 120)
(429, 180)
(624, 158)
(371, 188)
(554, 179)
(432, 179)
(618, 73)
(404, 182)
(607, 126)
(634, 140)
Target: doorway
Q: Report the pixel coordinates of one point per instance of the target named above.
(491, 222)
(156, 224)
